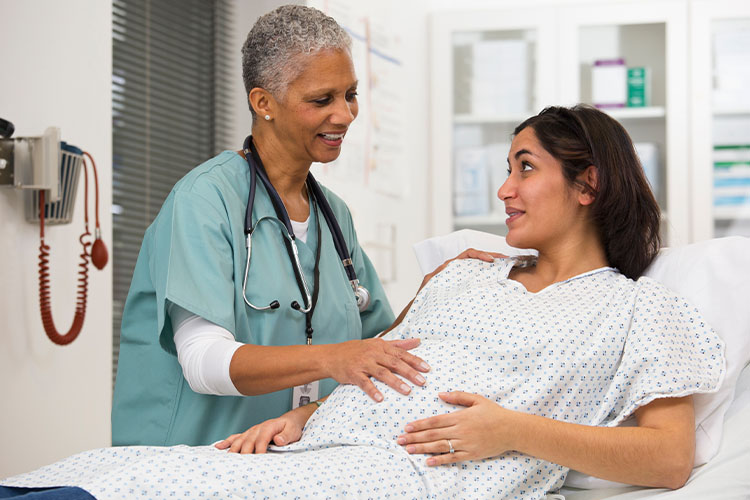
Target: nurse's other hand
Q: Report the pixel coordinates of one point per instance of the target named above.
(471, 253)
(355, 361)
(282, 431)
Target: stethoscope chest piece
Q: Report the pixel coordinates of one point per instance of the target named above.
(362, 295)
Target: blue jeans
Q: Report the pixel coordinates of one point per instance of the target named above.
(65, 493)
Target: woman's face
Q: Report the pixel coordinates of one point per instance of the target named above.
(541, 205)
(314, 115)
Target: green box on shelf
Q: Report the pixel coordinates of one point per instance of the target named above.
(639, 87)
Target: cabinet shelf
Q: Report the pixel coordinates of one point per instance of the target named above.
(636, 113)
(475, 119)
(731, 111)
(739, 212)
(491, 219)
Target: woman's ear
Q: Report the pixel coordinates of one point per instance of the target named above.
(589, 180)
(261, 101)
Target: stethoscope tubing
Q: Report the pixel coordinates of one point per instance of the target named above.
(361, 294)
(306, 297)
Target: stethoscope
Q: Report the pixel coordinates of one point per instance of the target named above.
(361, 294)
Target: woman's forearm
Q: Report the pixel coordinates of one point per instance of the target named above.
(660, 456)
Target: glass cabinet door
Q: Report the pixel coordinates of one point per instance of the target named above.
(489, 73)
(489, 100)
(629, 60)
(721, 118)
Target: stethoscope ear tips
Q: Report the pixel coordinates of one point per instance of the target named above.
(274, 304)
(295, 305)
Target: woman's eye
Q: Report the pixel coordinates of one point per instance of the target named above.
(526, 167)
(351, 96)
(508, 171)
(322, 101)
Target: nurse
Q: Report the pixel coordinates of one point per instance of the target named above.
(196, 362)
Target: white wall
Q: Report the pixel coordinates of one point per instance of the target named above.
(56, 71)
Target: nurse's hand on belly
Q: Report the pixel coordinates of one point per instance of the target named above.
(355, 361)
(281, 431)
(470, 253)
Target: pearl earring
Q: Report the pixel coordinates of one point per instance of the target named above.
(267, 117)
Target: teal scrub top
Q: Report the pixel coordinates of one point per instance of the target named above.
(193, 255)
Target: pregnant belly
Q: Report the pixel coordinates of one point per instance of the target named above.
(349, 416)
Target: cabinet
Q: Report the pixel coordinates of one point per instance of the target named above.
(720, 121)
(476, 104)
(650, 35)
(555, 47)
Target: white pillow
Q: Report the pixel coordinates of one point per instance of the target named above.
(434, 251)
(713, 275)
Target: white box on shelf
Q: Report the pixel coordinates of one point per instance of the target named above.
(467, 135)
(731, 129)
(732, 181)
(470, 191)
(731, 69)
(609, 83)
(497, 160)
(500, 83)
(648, 153)
(732, 153)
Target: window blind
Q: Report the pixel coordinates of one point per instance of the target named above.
(170, 99)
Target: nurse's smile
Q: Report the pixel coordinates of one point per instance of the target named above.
(333, 140)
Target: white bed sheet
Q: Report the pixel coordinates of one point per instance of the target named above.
(725, 477)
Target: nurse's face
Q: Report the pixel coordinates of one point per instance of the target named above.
(543, 208)
(314, 115)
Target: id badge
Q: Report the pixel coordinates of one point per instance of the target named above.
(304, 394)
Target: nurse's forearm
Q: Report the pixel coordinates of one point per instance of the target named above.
(258, 369)
(262, 369)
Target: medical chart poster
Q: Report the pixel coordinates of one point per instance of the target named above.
(372, 155)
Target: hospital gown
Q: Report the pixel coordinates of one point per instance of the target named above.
(589, 350)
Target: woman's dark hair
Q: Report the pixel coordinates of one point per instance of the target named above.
(624, 210)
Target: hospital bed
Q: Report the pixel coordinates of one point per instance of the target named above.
(714, 276)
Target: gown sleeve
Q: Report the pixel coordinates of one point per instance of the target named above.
(670, 351)
(192, 263)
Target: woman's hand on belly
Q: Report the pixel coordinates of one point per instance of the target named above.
(480, 430)
(355, 361)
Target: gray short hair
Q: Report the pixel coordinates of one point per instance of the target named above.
(271, 53)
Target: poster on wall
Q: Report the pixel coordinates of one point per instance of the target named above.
(373, 146)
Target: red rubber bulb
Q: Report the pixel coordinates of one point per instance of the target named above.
(99, 254)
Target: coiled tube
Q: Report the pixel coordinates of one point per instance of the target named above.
(44, 286)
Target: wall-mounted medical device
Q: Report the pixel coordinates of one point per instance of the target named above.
(30, 162)
(48, 170)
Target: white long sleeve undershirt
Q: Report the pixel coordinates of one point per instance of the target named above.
(205, 349)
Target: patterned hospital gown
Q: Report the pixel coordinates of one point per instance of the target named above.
(590, 350)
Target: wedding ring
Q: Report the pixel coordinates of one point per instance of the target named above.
(450, 445)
